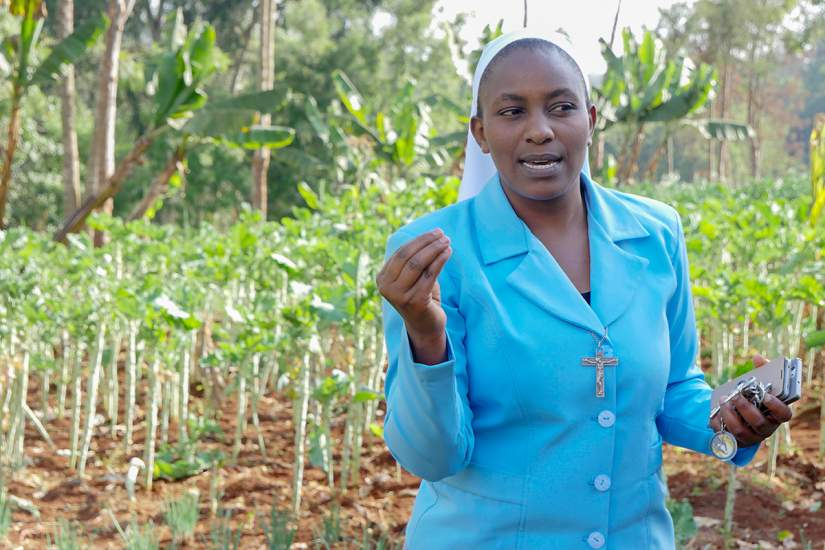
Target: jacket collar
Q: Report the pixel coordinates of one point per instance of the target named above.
(503, 234)
(615, 272)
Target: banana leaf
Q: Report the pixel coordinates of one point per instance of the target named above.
(70, 49)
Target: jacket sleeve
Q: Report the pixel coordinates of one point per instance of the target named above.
(427, 426)
(684, 419)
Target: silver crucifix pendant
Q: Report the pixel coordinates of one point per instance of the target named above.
(600, 362)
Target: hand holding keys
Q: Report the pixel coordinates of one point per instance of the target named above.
(748, 409)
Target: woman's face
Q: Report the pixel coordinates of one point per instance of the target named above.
(535, 123)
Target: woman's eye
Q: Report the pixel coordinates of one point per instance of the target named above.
(512, 111)
(563, 107)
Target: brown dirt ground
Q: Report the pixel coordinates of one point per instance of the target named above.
(792, 500)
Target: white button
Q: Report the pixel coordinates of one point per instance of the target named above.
(606, 419)
(602, 482)
(595, 539)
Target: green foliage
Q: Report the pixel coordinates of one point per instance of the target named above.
(331, 531)
(181, 515)
(5, 513)
(818, 168)
(684, 526)
(71, 49)
(222, 535)
(277, 533)
(141, 537)
(65, 536)
(815, 339)
(646, 85)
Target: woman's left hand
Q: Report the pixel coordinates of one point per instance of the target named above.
(746, 422)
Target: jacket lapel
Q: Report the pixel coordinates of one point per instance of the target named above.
(615, 273)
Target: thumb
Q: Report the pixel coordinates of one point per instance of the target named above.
(436, 292)
(758, 361)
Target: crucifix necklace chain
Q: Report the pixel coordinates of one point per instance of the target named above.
(599, 361)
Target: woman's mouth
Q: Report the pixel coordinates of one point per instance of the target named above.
(541, 165)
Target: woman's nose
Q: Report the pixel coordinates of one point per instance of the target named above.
(539, 130)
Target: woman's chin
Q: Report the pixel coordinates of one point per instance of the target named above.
(539, 189)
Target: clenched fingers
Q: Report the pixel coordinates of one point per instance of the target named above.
(777, 409)
(396, 263)
(422, 287)
(753, 417)
(420, 264)
(743, 433)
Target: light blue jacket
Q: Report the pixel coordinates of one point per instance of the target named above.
(514, 448)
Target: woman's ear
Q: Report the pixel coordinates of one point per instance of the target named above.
(592, 116)
(477, 128)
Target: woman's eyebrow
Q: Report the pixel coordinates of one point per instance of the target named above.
(509, 96)
(560, 92)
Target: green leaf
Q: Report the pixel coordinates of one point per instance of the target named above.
(723, 130)
(308, 195)
(316, 120)
(366, 394)
(376, 430)
(270, 101)
(684, 524)
(69, 50)
(784, 534)
(258, 137)
(815, 339)
(180, 75)
(30, 29)
(647, 55)
(349, 96)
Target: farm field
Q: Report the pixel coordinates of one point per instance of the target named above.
(196, 199)
(266, 339)
(381, 505)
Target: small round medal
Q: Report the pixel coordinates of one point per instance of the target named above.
(723, 445)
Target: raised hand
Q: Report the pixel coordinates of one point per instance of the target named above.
(746, 422)
(408, 280)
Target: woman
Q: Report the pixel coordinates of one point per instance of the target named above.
(541, 335)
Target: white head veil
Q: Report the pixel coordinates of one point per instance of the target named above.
(478, 166)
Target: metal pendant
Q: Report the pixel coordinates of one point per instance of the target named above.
(723, 445)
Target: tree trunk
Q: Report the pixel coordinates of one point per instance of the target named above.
(721, 151)
(650, 171)
(11, 146)
(260, 164)
(630, 161)
(160, 185)
(76, 221)
(102, 155)
(71, 160)
(155, 20)
(238, 62)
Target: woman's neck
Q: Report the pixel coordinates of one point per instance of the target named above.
(558, 216)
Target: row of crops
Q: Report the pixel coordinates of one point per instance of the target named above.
(107, 336)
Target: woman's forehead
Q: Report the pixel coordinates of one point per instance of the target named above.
(530, 72)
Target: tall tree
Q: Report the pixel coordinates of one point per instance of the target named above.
(71, 160)
(260, 162)
(102, 155)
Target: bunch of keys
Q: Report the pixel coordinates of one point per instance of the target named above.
(723, 444)
(781, 377)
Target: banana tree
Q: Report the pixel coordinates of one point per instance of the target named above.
(645, 86)
(401, 138)
(26, 73)
(181, 73)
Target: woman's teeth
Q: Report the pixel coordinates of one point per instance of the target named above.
(541, 165)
